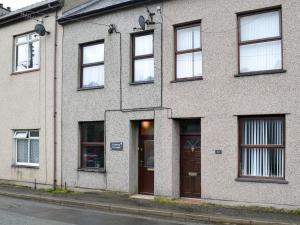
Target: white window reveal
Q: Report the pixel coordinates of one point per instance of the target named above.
(27, 147)
(27, 52)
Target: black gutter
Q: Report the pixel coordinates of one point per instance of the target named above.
(96, 12)
(32, 12)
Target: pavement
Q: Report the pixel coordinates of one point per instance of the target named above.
(163, 209)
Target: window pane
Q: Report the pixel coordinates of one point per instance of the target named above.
(92, 132)
(149, 153)
(21, 134)
(93, 53)
(189, 65)
(144, 45)
(33, 55)
(21, 57)
(34, 134)
(147, 128)
(262, 132)
(144, 70)
(34, 37)
(198, 64)
(188, 38)
(262, 162)
(93, 157)
(34, 151)
(93, 76)
(21, 39)
(22, 151)
(190, 127)
(261, 56)
(264, 25)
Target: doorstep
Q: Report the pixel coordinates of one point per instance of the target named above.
(191, 201)
(144, 197)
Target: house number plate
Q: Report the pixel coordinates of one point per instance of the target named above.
(116, 146)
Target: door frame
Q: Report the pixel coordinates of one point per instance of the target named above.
(196, 196)
(141, 139)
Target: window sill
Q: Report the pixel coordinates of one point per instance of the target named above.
(261, 180)
(25, 166)
(269, 72)
(187, 79)
(142, 82)
(91, 170)
(91, 88)
(24, 71)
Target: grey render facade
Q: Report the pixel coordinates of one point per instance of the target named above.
(204, 103)
(225, 101)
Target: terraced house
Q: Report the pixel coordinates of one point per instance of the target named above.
(30, 90)
(174, 98)
(194, 98)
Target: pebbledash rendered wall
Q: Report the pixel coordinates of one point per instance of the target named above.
(27, 103)
(217, 99)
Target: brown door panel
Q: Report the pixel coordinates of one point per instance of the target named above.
(190, 166)
(146, 158)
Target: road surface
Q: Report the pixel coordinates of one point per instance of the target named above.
(23, 212)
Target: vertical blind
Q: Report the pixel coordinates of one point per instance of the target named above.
(262, 147)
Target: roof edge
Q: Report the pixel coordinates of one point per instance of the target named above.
(34, 11)
(73, 18)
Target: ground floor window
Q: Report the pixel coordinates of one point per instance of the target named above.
(262, 146)
(27, 147)
(92, 145)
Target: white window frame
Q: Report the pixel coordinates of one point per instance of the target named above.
(27, 42)
(17, 137)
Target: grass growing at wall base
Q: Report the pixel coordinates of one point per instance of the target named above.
(164, 200)
(58, 191)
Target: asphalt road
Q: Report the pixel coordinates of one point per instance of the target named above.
(20, 212)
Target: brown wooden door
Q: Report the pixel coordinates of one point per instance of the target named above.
(146, 158)
(190, 166)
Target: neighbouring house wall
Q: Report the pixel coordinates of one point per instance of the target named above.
(27, 103)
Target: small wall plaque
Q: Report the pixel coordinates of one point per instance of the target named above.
(218, 152)
(116, 146)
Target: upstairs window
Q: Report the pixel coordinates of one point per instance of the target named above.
(143, 58)
(262, 147)
(92, 145)
(260, 42)
(27, 52)
(27, 147)
(92, 67)
(188, 51)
